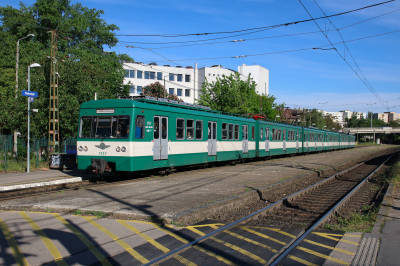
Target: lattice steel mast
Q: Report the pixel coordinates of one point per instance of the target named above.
(54, 125)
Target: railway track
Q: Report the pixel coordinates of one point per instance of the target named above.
(95, 182)
(270, 235)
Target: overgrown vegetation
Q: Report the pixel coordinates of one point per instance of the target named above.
(357, 222)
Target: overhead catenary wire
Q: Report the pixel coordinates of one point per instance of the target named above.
(347, 48)
(266, 37)
(256, 28)
(277, 52)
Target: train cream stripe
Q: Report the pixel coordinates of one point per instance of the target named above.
(12, 243)
(45, 239)
(84, 240)
(146, 237)
(119, 241)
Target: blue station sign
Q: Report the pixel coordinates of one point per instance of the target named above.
(30, 93)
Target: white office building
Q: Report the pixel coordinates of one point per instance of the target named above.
(185, 82)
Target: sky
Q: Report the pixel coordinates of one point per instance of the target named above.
(353, 69)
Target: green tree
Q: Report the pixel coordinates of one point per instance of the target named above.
(231, 94)
(157, 90)
(84, 67)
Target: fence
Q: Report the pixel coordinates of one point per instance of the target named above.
(16, 161)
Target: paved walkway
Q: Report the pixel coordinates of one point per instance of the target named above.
(390, 236)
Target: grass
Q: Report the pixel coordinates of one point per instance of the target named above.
(15, 166)
(357, 222)
(97, 214)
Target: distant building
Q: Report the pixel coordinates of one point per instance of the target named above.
(340, 117)
(259, 74)
(185, 82)
(382, 116)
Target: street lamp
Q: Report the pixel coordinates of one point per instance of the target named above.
(29, 114)
(17, 62)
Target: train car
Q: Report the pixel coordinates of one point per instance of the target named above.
(331, 140)
(146, 133)
(277, 139)
(313, 139)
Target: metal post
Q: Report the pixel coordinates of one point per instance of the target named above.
(165, 90)
(29, 113)
(16, 89)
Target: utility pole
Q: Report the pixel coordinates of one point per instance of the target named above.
(54, 125)
(16, 88)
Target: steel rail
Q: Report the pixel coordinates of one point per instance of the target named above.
(327, 215)
(272, 206)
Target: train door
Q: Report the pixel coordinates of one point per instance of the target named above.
(284, 140)
(306, 135)
(297, 140)
(160, 138)
(212, 138)
(267, 139)
(245, 137)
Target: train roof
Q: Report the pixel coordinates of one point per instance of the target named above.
(143, 101)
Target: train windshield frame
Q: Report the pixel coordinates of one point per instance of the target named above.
(104, 127)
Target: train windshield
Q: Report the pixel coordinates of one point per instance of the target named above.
(100, 127)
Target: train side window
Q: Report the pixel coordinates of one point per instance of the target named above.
(280, 134)
(267, 133)
(261, 133)
(273, 134)
(284, 134)
(236, 132)
(156, 128)
(189, 129)
(252, 133)
(180, 128)
(199, 129)
(230, 131)
(139, 127)
(224, 131)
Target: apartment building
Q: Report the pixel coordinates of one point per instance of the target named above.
(340, 117)
(185, 82)
(382, 116)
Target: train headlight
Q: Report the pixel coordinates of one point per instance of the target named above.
(85, 148)
(80, 148)
(123, 149)
(118, 149)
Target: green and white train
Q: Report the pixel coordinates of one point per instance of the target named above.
(146, 133)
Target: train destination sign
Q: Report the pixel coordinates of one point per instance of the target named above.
(30, 93)
(105, 111)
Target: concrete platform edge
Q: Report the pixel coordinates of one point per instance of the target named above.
(41, 184)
